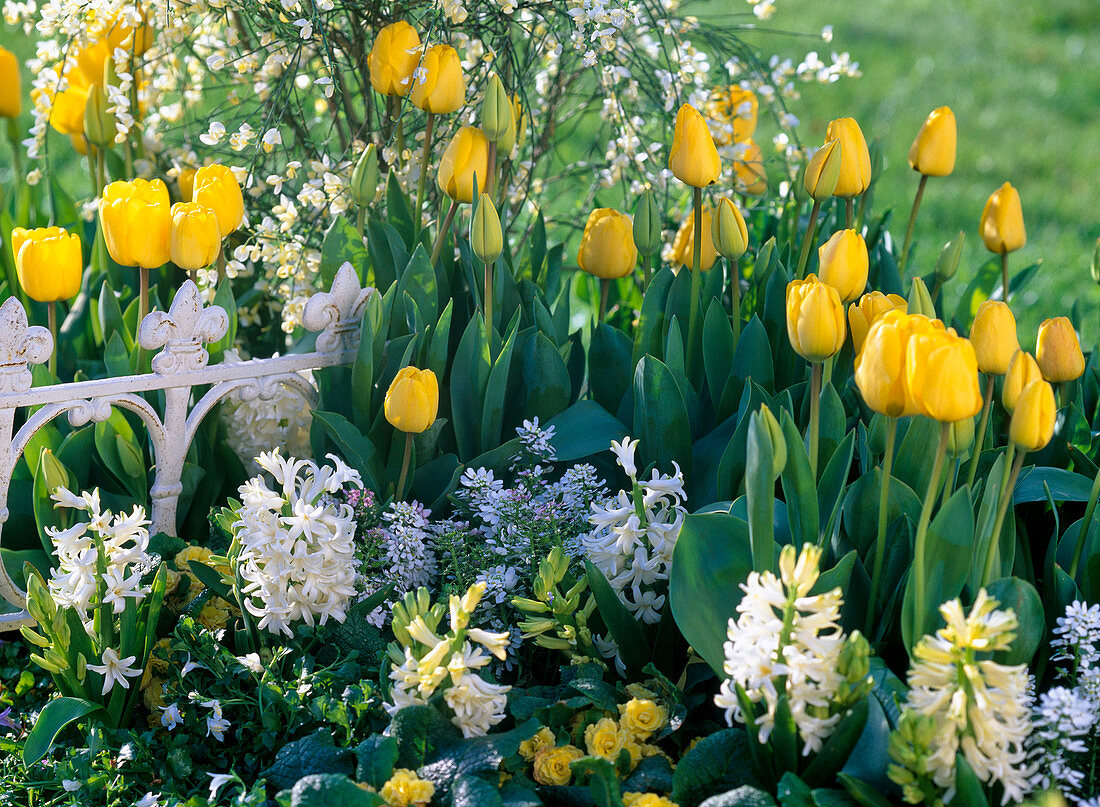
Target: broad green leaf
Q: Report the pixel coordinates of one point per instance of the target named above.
(584, 429)
(469, 377)
(55, 716)
(625, 629)
(609, 366)
(342, 244)
(545, 377)
(760, 495)
(1020, 596)
(661, 417)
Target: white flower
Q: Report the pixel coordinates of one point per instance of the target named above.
(115, 669)
(218, 781)
(216, 726)
(251, 662)
(150, 799)
(624, 455)
(71, 785)
(171, 716)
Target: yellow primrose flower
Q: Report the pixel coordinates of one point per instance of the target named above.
(552, 764)
(642, 717)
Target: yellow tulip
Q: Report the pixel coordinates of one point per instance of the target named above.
(880, 370)
(48, 262)
(607, 246)
(1022, 371)
(1032, 423)
(941, 370)
(933, 151)
(215, 187)
(683, 245)
(693, 158)
(394, 57)
(855, 160)
(736, 109)
(412, 401)
(438, 85)
(66, 107)
(136, 218)
(994, 337)
(728, 232)
(195, 240)
(823, 171)
(466, 155)
(121, 34)
(1002, 224)
(90, 61)
(1058, 352)
(749, 173)
(185, 179)
(815, 319)
(11, 85)
(871, 306)
(843, 264)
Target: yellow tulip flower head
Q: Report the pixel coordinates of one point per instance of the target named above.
(438, 85)
(735, 109)
(994, 337)
(66, 106)
(693, 159)
(823, 171)
(195, 240)
(942, 373)
(48, 262)
(815, 319)
(871, 306)
(607, 246)
(466, 155)
(880, 364)
(136, 219)
(11, 85)
(749, 174)
(855, 160)
(1022, 371)
(843, 264)
(933, 152)
(683, 245)
(1032, 423)
(1002, 223)
(393, 58)
(412, 401)
(1058, 352)
(215, 187)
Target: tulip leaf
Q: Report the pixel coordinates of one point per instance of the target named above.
(1065, 486)
(419, 281)
(1024, 600)
(624, 628)
(731, 468)
(362, 376)
(760, 495)
(343, 244)
(830, 485)
(439, 344)
(753, 357)
(399, 211)
(609, 365)
(386, 249)
(860, 510)
(496, 390)
(224, 298)
(649, 337)
(799, 488)
(661, 417)
(469, 377)
(718, 348)
(54, 716)
(356, 448)
(545, 377)
(913, 463)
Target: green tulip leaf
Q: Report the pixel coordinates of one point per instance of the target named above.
(1020, 596)
(661, 417)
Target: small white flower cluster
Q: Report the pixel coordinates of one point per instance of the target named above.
(406, 539)
(783, 637)
(635, 535)
(1077, 637)
(297, 554)
(1065, 720)
(450, 663)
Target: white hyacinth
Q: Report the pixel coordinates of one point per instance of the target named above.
(297, 554)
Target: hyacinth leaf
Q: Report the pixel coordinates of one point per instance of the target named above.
(784, 738)
(760, 495)
(628, 635)
(212, 579)
(799, 488)
(55, 716)
(862, 792)
(1024, 601)
(969, 791)
(355, 447)
(838, 747)
(987, 516)
(761, 753)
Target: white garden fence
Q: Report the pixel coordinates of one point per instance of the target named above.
(181, 335)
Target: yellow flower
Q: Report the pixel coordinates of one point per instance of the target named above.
(544, 739)
(393, 58)
(693, 158)
(646, 800)
(684, 243)
(66, 107)
(48, 262)
(871, 306)
(118, 34)
(605, 739)
(137, 222)
(942, 373)
(749, 173)
(823, 171)
(994, 336)
(737, 108)
(933, 151)
(215, 187)
(815, 319)
(406, 789)
(11, 85)
(195, 240)
(855, 160)
(214, 614)
(642, 717)
(466, 155)
(185, 179)
(551, 765)
(153, 694)
(1002, 223)
(607, 246)
(1059, 352)
(1032, 423)
(1022, 371)
(438, 85)
(190, 553)
(158, 658)
(844, 264)
(412, 401)
(729, 234)
(880, 364)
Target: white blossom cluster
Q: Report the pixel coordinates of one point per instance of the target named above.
(1077, 637)
(786, 642)
(297, 555)
(407, 543)
(635, 535)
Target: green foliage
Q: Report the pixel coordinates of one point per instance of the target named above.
(313, 754)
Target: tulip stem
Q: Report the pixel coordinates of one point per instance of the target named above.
(904, 259)
(1086, 525)
(849, 212)
(605, 285)
(735, 299)
(487, 300)
(1002, 510)
(51, 313)
(919, 547)
(1010, 455)
(1004, 276)
(804, 256)
(441, 236)
(883, 512)
(16, 157)
(405, 460)
(696, 246)
(361, 220)
(815, 415)
(143, 294)
(221, 266)
(429, 125)
(645, 273)
(986, 406)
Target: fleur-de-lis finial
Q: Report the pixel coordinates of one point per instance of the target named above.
(182, 331)
(20, 345)
(337, 312)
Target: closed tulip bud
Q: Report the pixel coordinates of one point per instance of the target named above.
(823, 171)
(364, 178)
(933, 152)
(994, 337)
(217, 189)
(942, 373)
(647, 223)
(195, 240)
(855, 160)
(1002, 224)
(1058, 352)
(767, 422)
(48, 262)
(815, 319)
(871, 306)
(1022, 370)
(843, 264)
(412, 401)
(486, 239)
(880, 365)
(467, 154)
(11, 85)
(748, 171)
(728, 230)
(393, 58)
(683, 245)
(99, 124)
(137, 222)
(438, 85)
(961, 437)
(693, 159)
(496, 112)
(607, 246)
(1032, 423)
(920, 301)
(948, 262)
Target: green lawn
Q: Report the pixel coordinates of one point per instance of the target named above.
(1023, 79)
